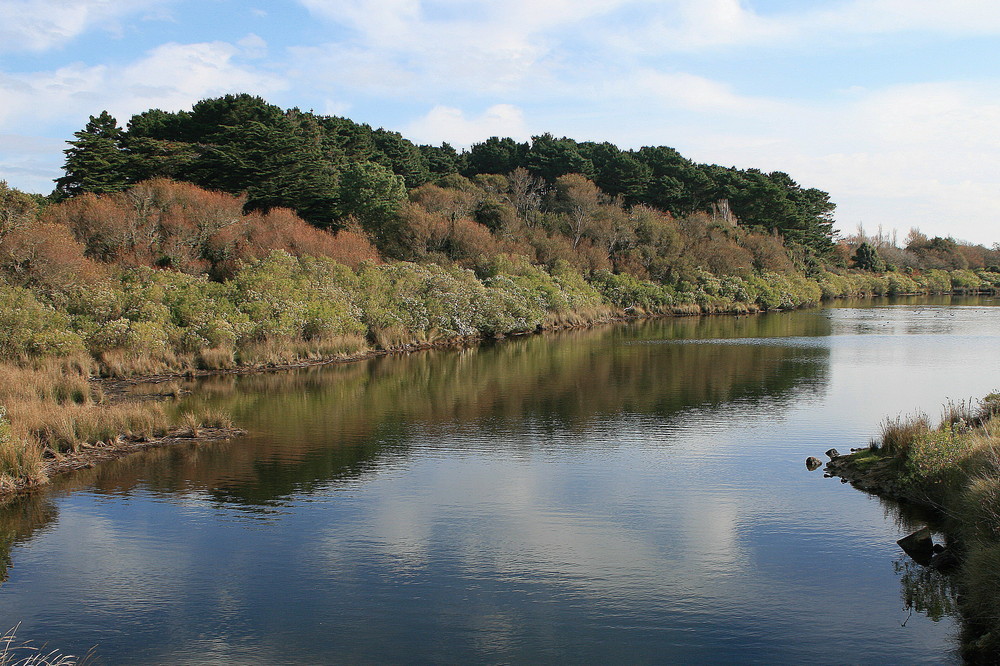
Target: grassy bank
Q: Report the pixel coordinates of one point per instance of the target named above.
(954, 468)
(283, 309)
(50, 409)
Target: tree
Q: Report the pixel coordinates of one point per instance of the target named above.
(401, 156)
(525, 194)
(373, 194)
(579, 199)
(866, 258)
(94, 162)
(441, 159)
(617, 172)
(495, 155)
(550, 158)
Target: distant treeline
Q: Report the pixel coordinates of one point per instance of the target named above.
(329, 169)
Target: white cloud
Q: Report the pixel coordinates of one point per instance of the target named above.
(688, 91)
(253, 46)
(701, 25)
(449, 124)
(691, 25)
(911, 155)
(969, 17)
(490, 47)
(174, 76)
(27, 162)
(171, 76)
(37, 25)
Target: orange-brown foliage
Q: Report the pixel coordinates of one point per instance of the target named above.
(712, 246)
(427, 232)
(256, 235)
(976, 256)
(471, 240)
(179, 225)
(768, 252)
(453, 203)
(46, 256)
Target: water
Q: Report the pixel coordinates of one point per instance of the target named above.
(632, 493)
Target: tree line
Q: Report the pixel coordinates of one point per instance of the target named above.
(329, 169)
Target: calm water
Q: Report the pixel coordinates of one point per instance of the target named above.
(634, 493)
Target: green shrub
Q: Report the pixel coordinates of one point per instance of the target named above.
(31, 328)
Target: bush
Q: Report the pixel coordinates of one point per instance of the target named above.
(30, 328)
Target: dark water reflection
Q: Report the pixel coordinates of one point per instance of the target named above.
(634, 492)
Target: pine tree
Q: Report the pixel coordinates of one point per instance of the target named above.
(866, 258)
(95, 161)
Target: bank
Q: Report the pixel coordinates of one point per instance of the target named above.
(66, 365)
(952, 468)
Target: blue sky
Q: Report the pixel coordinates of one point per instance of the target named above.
(892, 106)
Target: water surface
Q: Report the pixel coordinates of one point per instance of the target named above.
(629, 493)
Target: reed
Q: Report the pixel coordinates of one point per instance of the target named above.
(13, 653)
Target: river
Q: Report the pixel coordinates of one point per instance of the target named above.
(628, 493)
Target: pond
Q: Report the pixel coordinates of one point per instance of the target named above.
(628, 493)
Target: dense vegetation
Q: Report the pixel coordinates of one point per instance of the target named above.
(238, 234)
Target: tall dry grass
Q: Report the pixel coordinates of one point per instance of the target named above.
(53, 408)
(899, 434)
(14, 653)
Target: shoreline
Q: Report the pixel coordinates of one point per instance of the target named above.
(115, 389)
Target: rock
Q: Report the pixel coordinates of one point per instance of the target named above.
(919, 546)
(813, 463)
(833, 453)
(945, 560)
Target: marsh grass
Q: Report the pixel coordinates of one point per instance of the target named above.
(52, 409)
(278, 351)
(216, 358)
(120, 363)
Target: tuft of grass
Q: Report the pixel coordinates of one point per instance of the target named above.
(20, 460)
(191, 424)
(216, 358)
(72, 426)
(121, 363)
(53, 408)
(215, 418)
(898, 435)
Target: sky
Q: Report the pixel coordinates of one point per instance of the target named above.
(891, 106)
